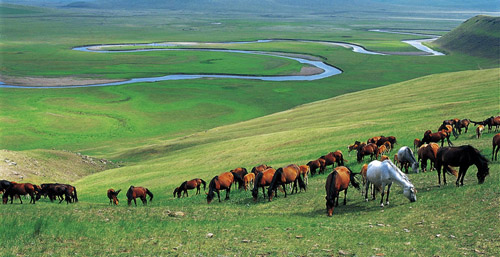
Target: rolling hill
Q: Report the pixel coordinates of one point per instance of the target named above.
(478, 36)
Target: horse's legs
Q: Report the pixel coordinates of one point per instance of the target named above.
(227, 193)
(388, 191)
(382, 196)
(218, 195)
(461, 175)
(345, 196)
(496, 153)
(367, 186)
(144, 200)
(135, 202)
(198, 190)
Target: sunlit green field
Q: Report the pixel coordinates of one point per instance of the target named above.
(169, 132)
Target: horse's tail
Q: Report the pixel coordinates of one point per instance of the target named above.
(352, 177)
(332, 191)
(302, 185)
(150, 194)
(274, 181)
(76, 195)
(238, 179)
(204, 184)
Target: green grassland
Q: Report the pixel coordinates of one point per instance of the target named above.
(104, 121)
(444, 221)
(168, 132)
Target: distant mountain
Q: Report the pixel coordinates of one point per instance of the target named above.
(269, 5)
(478, 36)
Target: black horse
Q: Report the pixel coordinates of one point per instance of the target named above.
(4, 184)
(463, 157)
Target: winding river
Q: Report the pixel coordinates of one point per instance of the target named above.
(327, 70)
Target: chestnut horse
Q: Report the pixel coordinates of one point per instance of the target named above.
(18, 189)
(462, 124)
(258, 169)
(304, 171)
(336, 182)
(248, 180)
(329, 160)
(463, 157)
(222, 182)
(262, 180)
(138, 192)
(283, 176)
(427, 152)
(430, 137)
(241, 172)
(339, 158)
(189, 185)
(496, 143)
(112, 195)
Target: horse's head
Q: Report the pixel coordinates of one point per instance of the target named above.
(410, 193)
(482, 173)
(414, 167)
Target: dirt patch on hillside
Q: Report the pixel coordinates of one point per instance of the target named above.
(40, 166)
(307, 71)
(51, 82)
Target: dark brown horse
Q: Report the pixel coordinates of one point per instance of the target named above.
(222, 182)
(336, 182)
(55, 190)
(313, 165)
(430, 137)
(189, 185)
(284, 176)
(364, 149)
(329, 160)
(490, 122)
(496, 143)
(18, 189)
(262, 180)
(4, 184)
(138, 192)
(112, 195)
(463, 157)
(462, 124)
(427, 152)
(339, 158)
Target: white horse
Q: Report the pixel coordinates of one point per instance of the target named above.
(384, 173)
(405, 155)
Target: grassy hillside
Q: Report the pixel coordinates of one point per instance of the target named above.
(478, 36)
(443, 221)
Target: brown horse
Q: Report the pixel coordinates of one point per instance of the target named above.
(4, 184)
(462, 124)
(364, 149)
(353, 146)
(112, 195)
(262, 180)
(283, 176)
(336, 182)
(479, 131)
(490, 122)
(55, 190)
(416, 143)
(260, 168)
(248, 180)
(381, 150)
(19, 189)
(222, 182)
(138, 192)
(304, 171)
(463, 157)
(313, 165)
(329, 160)
(339, 158)
(496, 143)
(427, 152)
(189, 185)
(241, 172)
(430, 137)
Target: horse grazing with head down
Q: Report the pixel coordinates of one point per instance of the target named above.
(222, 182)
(337, 181)
(496, 143)
(189, 185)
(304, 171)
(241, 172)
(112, 195)
(283, 176)
(406, 158)
(329, 159)
(382, 174)
(463, 157)
(364, 149)
(248, 180)
(262, 180)
(427, 152)
(18, 189)
(314, 165)
(260, 168)
(4, 184)
(138, 192)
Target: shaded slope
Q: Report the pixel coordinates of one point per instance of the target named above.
(478, 36)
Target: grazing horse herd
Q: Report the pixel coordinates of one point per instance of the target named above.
(378, 173)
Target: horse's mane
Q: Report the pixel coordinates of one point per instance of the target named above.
(331, 190)
(398, 171)
(182, 186)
